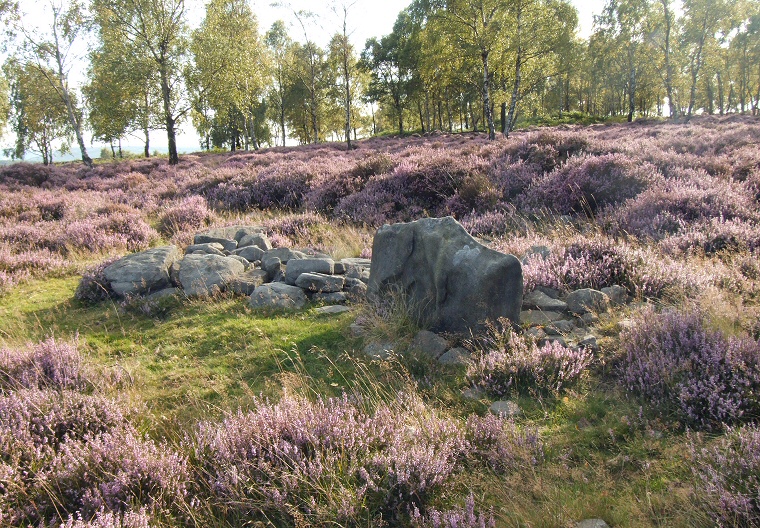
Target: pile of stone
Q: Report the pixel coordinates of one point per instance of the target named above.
(240, 259)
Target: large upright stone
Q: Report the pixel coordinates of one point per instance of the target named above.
(143, 272)
(201, 275)
(451, 281)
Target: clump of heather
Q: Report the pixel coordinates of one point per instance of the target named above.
(94, 287)
(188, 215)
(337, 460)
(516, 364)
(48, 364)
(502, 445)
(459, 517)
(113, 471)
(296, 228)
(727, 477)
(585, 184)
(107, 519)
(674, 361)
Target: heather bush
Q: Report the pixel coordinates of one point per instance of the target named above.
(189, 214)
(113, 471)
(339, 460)
(672, 205)
(460, 517)
(680, 366)
(106, 519)
(587, 183)
(281, 185)
(498, 222)
(48, 364)
(502, 445)
(727, 476)
(515, 364)
(94, 287)
(31, 174)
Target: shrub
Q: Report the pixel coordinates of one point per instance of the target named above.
(114, 471)
(727, 477)
(94, 287)
(672, 360)
(48, 364)
(189, 214)
(32, 174)
(105, 519)
(517, 364)
(587, 183)
(460, 517)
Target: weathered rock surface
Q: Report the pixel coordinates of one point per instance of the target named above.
(330, 298)
(429, 344)
(540, 301)
(216, 236)
(295, 268)
(587, 300)
(379, 350)
(250, 253)
(212, 248)
(538, 317)
(320, 283)
(247, 282)
(449, 278)
(455, 356)
(202, 275)
(618, 294)
(591, 523)
(332, 310)
(143, 272)
(259, 240)
(278, 295)
(284, 254)
(505, 408)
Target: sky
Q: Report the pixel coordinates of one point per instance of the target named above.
(366, 19)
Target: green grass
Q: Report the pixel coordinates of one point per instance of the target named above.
(198, 359)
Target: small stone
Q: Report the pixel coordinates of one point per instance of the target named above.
(250, 253)
(560, 327)
(356, 330)
(538, 318)
(505, 409)
(278, 295)
(295, 268)
(587, 300)
(246, 283)
(284, 254)
(590, 342)
(455, 356)
(429, 344)
(379, 350)
(591, 523)
(211, 248)
(330, 298)
(319, 282)
(209, 238)
(473, 393)
(245, 262)
(339, 268)
(535, 332)
(258, 240)
(618, 295)
(552, 339)
(549, 292)
(163, 294)
(332, 310)
(590, 318)
(540, 301)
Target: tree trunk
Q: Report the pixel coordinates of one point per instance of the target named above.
(720, 94)
(696, 64)
(510, 124)
(487, 96)
(171, 133)
(504, 117)
(668, 67)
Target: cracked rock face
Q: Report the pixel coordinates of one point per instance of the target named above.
(450, 280)
(142, 273)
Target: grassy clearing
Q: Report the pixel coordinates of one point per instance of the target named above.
(604, 457)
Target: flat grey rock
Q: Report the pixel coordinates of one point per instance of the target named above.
(429, 344)
(163, 294)
(259, 240)
(142, 273)
(538, 300)
(379, 350)
(330, 298)
(211, 248)
(202, 275)
(591, 523)
(539, 318)
(332, 310)
(505, 409)
(618, 295)
(455, 356)
(587, 300)
(296, 268)
(246, 283)
(319, 282)
(278, 295)
(250, 253)
(284, 254)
